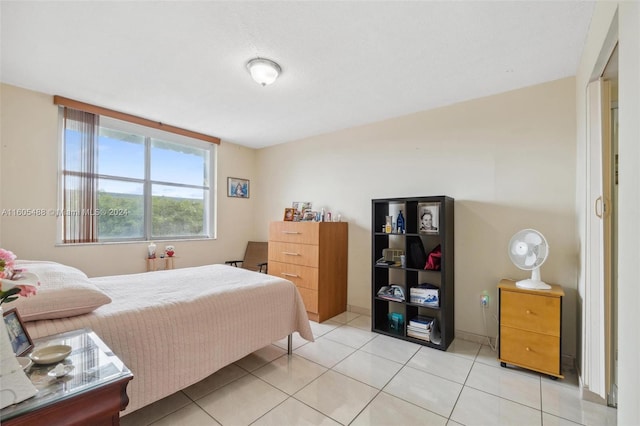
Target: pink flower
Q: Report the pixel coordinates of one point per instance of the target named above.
(7, 259)
(14, 282)
(27, 290)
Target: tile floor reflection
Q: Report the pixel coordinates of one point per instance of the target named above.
(351, 376)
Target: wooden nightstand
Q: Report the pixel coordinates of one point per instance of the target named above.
(530, 327)
(93, 393)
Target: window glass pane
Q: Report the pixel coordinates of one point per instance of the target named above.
(72, 152)
(178, 163)
(121, 207)
(177, 211)
(120, 154)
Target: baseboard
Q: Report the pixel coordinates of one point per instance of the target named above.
(359, 310)
(475, 338)
(568, 363)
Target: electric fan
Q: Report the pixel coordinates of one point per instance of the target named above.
(528, 249)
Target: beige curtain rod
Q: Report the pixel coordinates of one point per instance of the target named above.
(81, 106)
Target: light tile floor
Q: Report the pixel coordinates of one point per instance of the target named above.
(351, 376)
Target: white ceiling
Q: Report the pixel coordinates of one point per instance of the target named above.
(344, 63)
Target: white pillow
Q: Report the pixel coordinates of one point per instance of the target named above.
(64, 291)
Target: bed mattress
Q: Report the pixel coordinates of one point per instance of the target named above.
(174, 328)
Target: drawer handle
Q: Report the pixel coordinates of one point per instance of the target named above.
(528, 312)
(287, 274)
(290, 232)
(288, 253)
(527, 349)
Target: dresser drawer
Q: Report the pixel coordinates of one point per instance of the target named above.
(301, 276)
(530, 350)
(530, 312)
(310, 299)
(297, 254)
(295, 232)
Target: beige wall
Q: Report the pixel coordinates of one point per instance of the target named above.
(29, 129)
(508, 160)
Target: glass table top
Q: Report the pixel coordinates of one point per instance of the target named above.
(93, 366)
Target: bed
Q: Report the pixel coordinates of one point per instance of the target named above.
(171, 328)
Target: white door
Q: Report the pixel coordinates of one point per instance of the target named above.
(593, 344)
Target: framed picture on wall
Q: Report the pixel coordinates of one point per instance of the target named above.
(428, 218)
(237, 187)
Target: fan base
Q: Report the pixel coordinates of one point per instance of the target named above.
(533, 284)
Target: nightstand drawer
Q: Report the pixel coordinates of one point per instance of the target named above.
(298, 254)
(294, 232)
(530, 350)
(530, 312)
(310, 299)
(301, 276)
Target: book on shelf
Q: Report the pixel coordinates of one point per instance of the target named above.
(417, 335)
(421, 322)
(418, 330)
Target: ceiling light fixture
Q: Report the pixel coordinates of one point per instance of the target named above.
(263, 71)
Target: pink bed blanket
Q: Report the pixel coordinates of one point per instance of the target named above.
(175, 328)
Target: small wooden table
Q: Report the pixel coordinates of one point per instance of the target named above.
(93, 393)
(530, 328)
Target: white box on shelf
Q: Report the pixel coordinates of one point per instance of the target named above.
(425, 296)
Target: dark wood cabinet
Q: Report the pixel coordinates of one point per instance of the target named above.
(428, 233)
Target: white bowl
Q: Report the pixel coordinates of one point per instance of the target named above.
(50, 354)
(24, 362)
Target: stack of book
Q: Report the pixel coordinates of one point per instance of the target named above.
(419, 327)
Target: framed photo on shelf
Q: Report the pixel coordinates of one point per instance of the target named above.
(289, 214)
(18, 335)
(428, 218)
(237, 187)
(301, 207)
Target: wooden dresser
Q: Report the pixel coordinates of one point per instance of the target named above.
(313, 255)
(530, 327)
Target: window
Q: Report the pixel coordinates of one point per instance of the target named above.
(125, 182)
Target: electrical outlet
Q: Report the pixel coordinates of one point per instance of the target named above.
(484, 300)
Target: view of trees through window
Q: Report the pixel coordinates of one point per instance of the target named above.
(170, 216)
